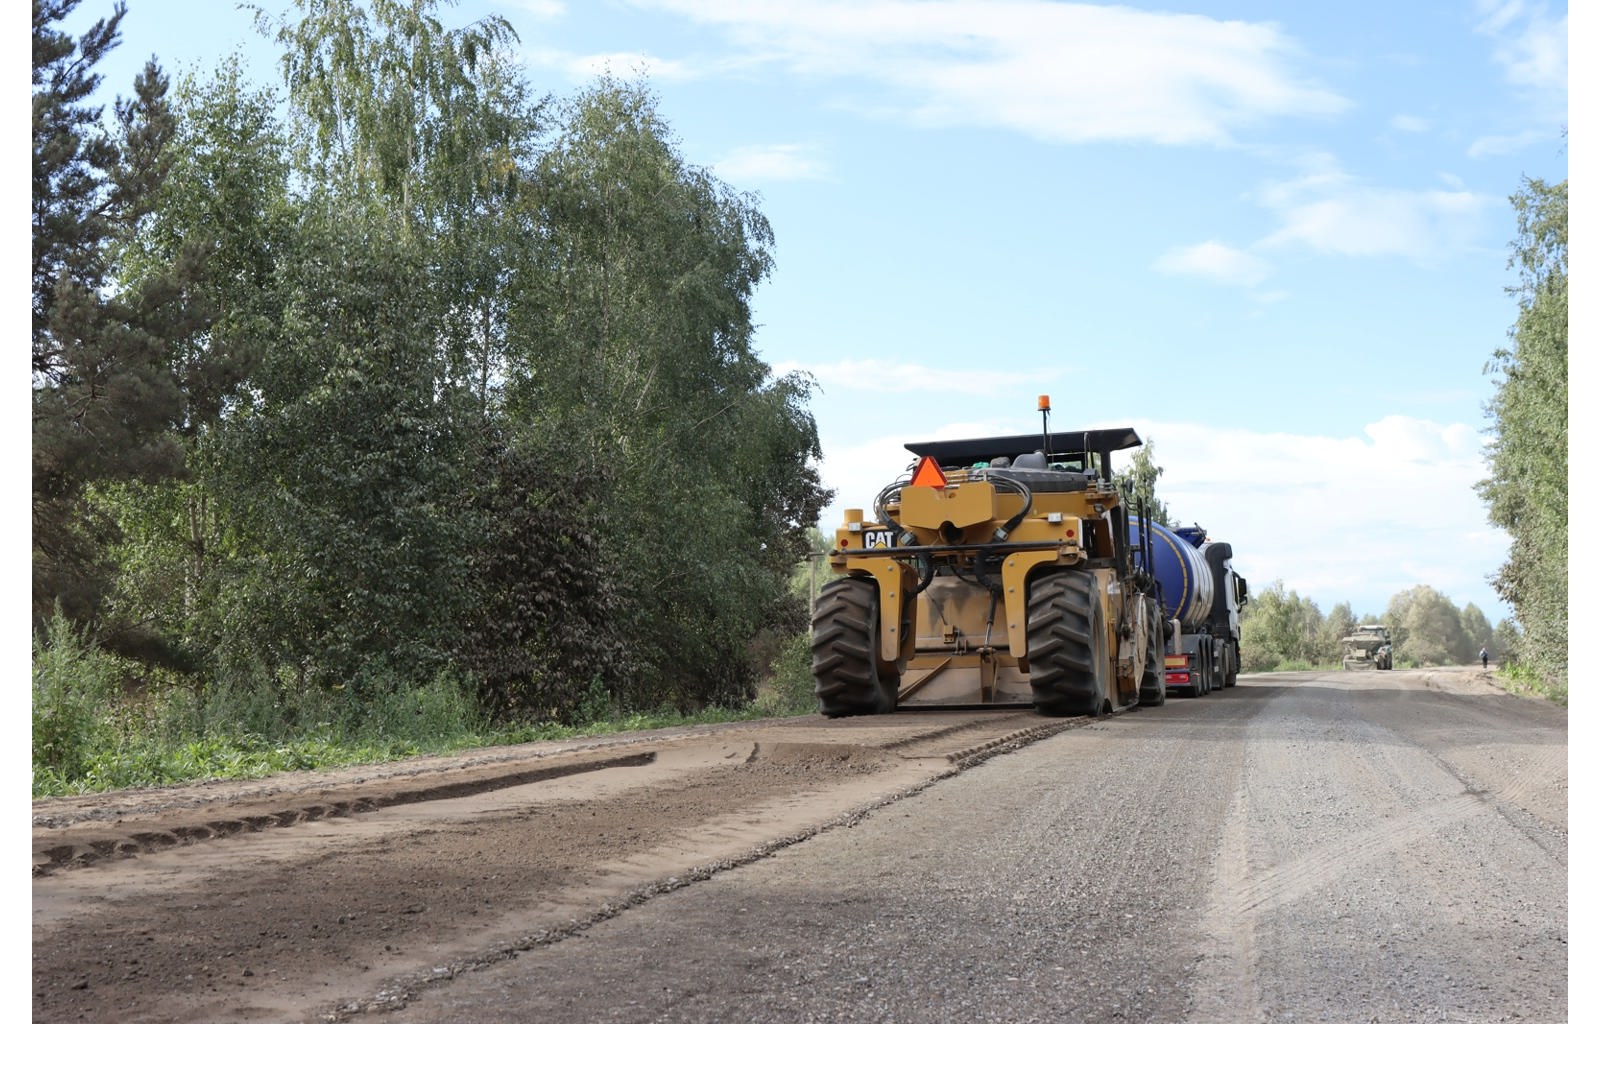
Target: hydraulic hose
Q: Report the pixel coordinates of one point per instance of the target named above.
(1019, 486)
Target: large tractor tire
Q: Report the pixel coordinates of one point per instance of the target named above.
(1067, 663)
(1153, 683)
(1231, 677)
(850, 678)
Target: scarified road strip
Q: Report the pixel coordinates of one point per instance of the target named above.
(356, 896)
(395, 995)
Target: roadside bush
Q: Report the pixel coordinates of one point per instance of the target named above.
(790, 690)
(87, 738)
(74, 687)
(1256, 660)
(379, 705)
(1527, 679)
(596, 706)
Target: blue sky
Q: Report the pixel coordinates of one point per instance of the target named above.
(1271, 237)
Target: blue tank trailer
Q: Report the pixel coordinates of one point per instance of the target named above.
(1201, 596)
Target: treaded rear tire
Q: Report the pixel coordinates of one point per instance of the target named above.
(1066, 644)
(1153, 685)
(844, 651)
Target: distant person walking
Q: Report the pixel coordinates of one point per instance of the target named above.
(1483, 656)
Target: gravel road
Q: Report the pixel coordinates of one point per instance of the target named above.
(1302, 848)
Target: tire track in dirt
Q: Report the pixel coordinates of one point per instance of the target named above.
(49, 858)
(1226, 988)
(1290, 881)
(1388, 823)
(1393, 833)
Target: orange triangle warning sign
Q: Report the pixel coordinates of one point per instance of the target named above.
(929, 473)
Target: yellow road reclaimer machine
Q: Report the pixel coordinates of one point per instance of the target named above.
(998, 573)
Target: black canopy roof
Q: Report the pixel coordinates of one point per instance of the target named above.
(1064, 444)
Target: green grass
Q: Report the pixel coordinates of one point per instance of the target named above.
(90, 735)
(111, 759)
(1522, 679)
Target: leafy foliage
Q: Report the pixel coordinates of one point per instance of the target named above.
(1425, 628)
(1339, 624)
(1278, 627)
(74, 685)
(389, 103)
(542, 622)
(647, 384)
(1505, 644)
(791, 689)
(427, 378)
(74, 203)
(1137, 482)
(1476, 633)
(1527, 487)
(337, 476)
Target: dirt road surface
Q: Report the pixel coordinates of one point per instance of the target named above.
(1386, 847)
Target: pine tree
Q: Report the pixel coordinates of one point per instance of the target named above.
(104, 395)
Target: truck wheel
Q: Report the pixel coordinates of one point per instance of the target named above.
(1153, 686)
(1066, 644)
(1231, 652)
(844, 651)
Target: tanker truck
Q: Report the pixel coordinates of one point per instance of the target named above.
(1201, 595)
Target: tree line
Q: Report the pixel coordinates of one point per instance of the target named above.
(402, 371)
(1282, 630)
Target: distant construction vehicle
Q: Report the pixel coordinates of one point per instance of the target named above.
(999, 572)
(1368, 649)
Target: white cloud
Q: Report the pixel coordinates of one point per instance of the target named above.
(775, 162)
(1327, 211)
(581, 68)
(1217, 262)
(1485, 147)
(1056, 71)
(1530, 45)
(1355, 519)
